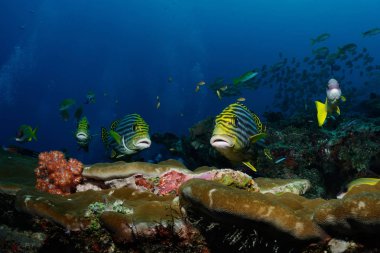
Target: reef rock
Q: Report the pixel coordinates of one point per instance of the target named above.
(129, 215)
(256, 213)
(106, 171)
(357, 215)
(163, 178)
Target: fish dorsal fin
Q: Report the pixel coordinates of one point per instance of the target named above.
(104, 135)
(249, 165)
(337, 110)
(258, 122)
(321, 112)
(257, 137)
(115, 136)
(114, 124)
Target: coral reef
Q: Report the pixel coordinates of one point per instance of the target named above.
(256, 213)
(162, 178)
(284, 222)
(57, 175)
(165, 207)
(357, 215)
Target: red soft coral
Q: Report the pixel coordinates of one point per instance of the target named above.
(56, 175)
(170, 182)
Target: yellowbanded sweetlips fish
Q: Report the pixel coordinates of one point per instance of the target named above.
(236, 129)
(126, 136)
(26, 134)
(82, 134)
(333, 96)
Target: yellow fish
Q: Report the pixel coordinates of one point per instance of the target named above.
(201, 83)
(241, 99)
(197, 88)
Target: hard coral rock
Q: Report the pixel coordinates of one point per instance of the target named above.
(107, 171)
(356, 215)
(252, 210)
(163, 178)
(126, 213)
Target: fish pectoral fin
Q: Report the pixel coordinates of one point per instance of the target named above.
(257, 137)
(338, 110)
(113, 154)
(116, 136)
(249, 165)
(343, 98)
(321, 112)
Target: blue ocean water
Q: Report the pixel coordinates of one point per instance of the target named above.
(125, 51)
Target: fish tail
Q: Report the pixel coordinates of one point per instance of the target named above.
(321, 112)
(104, 135)
(34, 134)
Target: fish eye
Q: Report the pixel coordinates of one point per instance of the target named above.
(137, 127)
(236, 121)
(232, 121)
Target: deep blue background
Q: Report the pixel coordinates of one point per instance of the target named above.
(53, 49)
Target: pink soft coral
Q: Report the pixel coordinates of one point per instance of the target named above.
(56, 175)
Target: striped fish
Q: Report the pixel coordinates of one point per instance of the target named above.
(236, 128)
(126, 136)
(82, 134)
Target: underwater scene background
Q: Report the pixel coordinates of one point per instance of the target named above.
(266, 96)
(125, 52)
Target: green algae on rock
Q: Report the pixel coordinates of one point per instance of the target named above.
(276, 185)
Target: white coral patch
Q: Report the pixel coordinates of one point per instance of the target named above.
(187, 191)
(270, 209)
(210, 197)
(299, 227)
(361, 205)
(330, 218)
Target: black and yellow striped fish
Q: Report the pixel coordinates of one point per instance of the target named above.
(236, 128)
(82, 134)
(126, 136)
